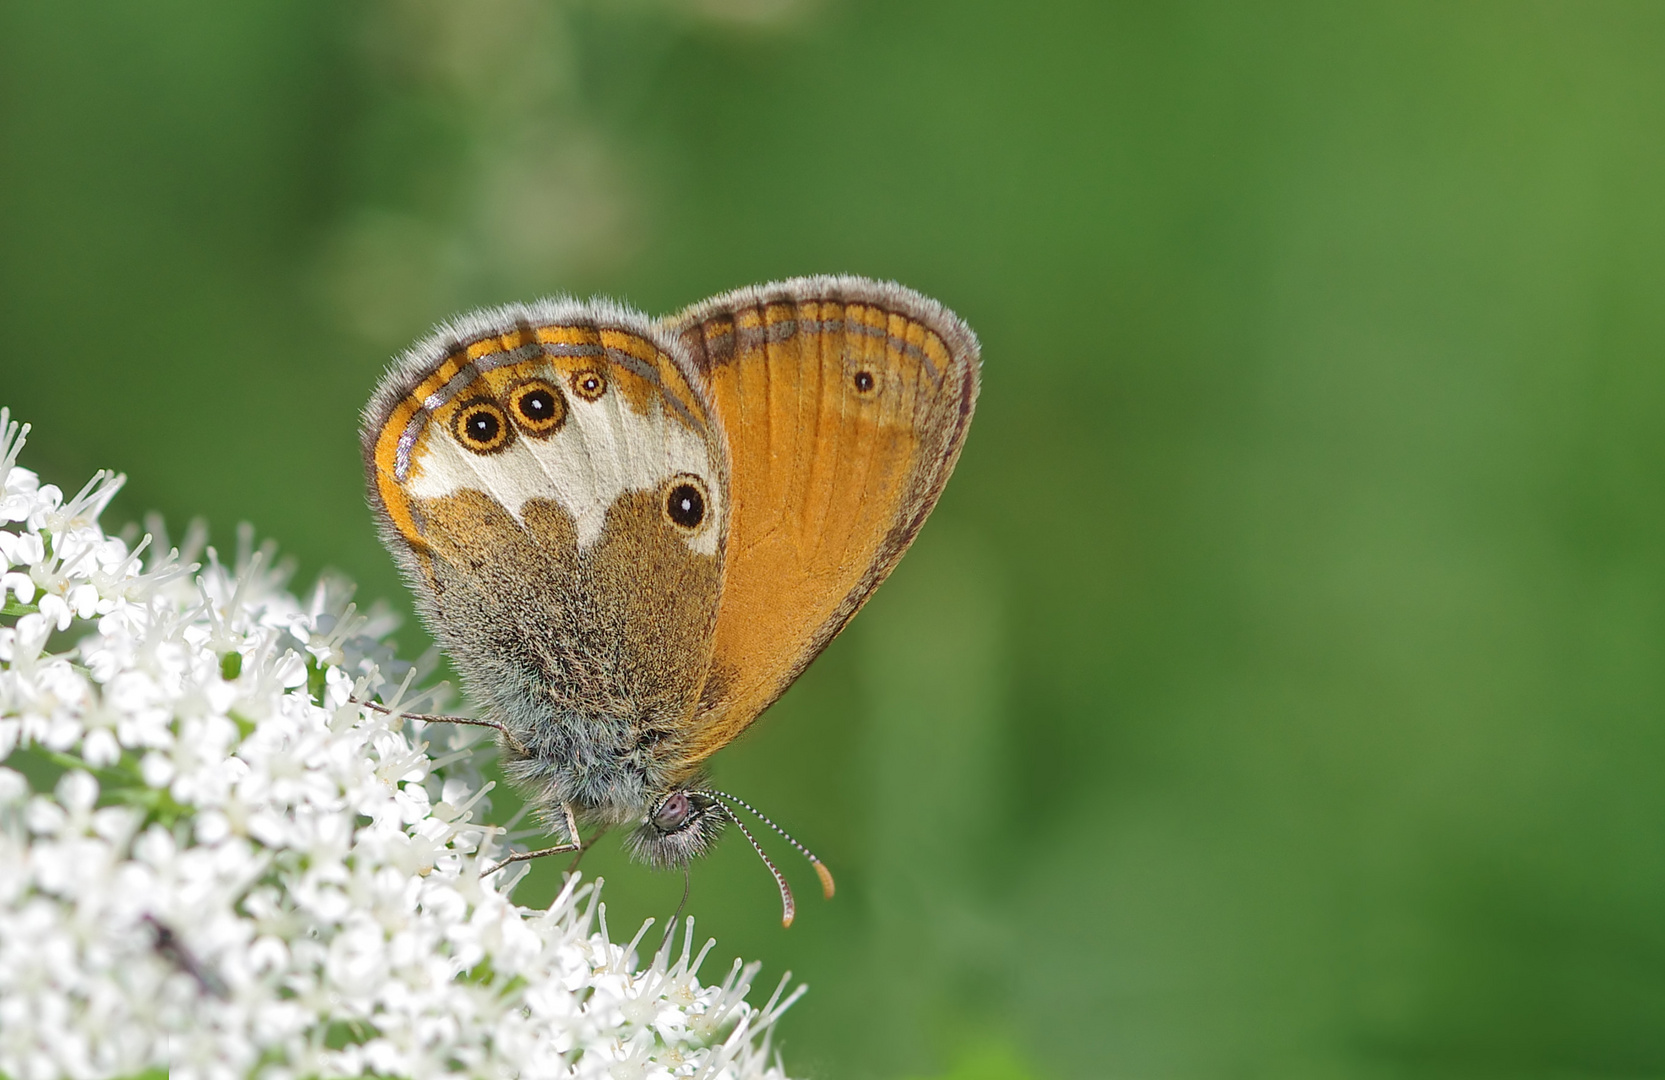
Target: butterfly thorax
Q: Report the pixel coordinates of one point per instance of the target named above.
(611, 770)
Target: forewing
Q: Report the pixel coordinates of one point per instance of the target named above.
(844, 402)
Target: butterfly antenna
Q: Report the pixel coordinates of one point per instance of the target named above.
(821, 871)
(789, 908)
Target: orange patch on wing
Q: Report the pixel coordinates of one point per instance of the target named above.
(567, 335)
(386, 455)
(386, 459)
(826, 481)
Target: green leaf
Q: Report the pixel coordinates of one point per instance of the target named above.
(245, 726)
(38, 768)
(344, 1033)
(315, 679)
(158, 804)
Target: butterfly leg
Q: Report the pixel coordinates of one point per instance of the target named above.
(574, 843)
(519, 747)
(585, 846)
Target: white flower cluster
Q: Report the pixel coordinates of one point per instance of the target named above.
(214, 861)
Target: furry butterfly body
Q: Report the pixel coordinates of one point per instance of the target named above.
(630, 536)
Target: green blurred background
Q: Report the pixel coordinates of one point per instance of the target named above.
(1277, 690)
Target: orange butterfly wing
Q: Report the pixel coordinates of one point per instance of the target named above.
(845, 403)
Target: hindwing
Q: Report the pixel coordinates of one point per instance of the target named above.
(555, 486)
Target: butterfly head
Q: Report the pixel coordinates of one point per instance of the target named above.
(684, 823)
(681, 826)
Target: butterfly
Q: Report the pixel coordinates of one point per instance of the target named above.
(631, 535)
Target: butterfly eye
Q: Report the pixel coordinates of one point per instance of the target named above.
(482, 427)
(589, 385)
(538, 407)
(864, 382)
(673, 813)
(685, 503)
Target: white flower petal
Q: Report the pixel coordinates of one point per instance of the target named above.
(55, 610)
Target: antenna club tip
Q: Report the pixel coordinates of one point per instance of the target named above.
(827, 885)
(786, 920)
